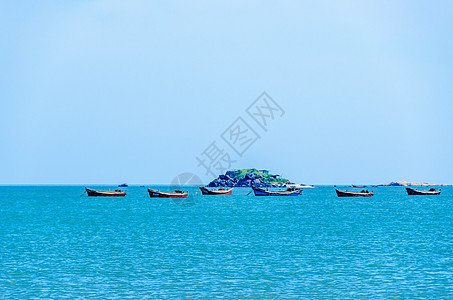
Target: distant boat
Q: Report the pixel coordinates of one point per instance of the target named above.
(363, 193)
(417, 192)
(288, 192)
(359, 186)
(221, 191)
(115, 193)
(159, 194)
(123, 185)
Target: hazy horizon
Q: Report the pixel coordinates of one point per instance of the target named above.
(169, 184)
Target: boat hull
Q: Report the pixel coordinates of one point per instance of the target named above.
(353, 194)
(158, 194)
(94, 193)
(412, 192)
(262, 192)
(206, 191)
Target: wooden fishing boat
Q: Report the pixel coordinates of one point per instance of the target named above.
(288, 192)
(363, 193)
(159, 194)
(417, 192)
(221, 191)
(115, 193)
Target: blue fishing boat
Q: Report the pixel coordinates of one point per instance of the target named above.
(288, 192)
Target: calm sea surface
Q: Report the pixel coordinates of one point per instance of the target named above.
(55, 243)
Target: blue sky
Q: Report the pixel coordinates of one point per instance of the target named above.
(133, 91)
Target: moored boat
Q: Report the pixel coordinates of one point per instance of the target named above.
(288, 192)
(431, 191)
(363, 193)
(159, 194)
(359, 186)
(221, 191)
(123, 185)
(95, 193)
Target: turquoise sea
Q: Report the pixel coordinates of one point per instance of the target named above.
(55, 243)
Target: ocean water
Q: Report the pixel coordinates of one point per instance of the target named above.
(55, 243)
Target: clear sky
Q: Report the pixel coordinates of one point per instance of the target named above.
(133, 91)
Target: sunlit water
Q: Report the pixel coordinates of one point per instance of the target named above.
(55, 243)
